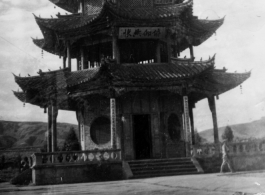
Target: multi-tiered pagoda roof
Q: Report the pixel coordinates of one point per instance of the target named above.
(184, 27)
(200, 77)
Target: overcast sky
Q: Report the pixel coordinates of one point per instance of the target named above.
(238, 44)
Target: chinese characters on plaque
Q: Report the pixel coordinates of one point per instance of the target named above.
(113, 121)
(142, 33)
(186, 118)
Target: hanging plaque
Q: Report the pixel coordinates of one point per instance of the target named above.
(142, 33)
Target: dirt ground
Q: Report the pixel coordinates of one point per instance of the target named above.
(242, 183)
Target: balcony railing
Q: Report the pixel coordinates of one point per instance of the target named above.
(241, 148)
(78, 157)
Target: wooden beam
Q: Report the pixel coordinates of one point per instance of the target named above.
(96, 41)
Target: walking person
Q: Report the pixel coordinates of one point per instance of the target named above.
(226, 160)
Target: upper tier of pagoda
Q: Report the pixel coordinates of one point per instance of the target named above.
(176, 18)
(74, 6)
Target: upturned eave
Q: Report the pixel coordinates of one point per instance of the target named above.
(68, 5)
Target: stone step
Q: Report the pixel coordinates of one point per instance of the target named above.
(163, 175)
(162, 167)
(159, 166)
(146, 164)
(137, 172)
(160, 160)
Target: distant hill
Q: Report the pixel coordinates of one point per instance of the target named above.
(255, 129)
(25, 134)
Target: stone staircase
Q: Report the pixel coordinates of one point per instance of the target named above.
(162, 167)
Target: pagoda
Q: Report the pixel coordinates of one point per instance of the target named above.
(131, 91)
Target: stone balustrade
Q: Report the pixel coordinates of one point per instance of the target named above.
(206, 150)
(255, 147)
(78, 157)
(240, 148)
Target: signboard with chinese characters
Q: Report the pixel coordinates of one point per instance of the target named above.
(113, 122)
(142, 33)
(186, 118)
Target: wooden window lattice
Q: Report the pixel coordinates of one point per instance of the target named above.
(163, 1)
(92, 7)
(136, 3)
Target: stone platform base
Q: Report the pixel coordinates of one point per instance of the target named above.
(76, 173)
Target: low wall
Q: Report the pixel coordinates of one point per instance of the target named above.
(11, 157)
(243, 162)
(248, 162)
(76, 173)
(210, 165)
(76, 167)
(244, 156)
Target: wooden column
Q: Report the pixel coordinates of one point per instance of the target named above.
(186, 124)
(81, 7)
(78, 120)
(49, 130)
(113, 124)
(64, 62)
(82, 58)
(192, 125)
(169, 52)
(69, 55)
(115, 47)
(54, 127)
(158, 53)
(191, 52)
(212, 106)
(77, 64)
(176, 51)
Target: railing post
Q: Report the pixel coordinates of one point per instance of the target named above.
(37, 159)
